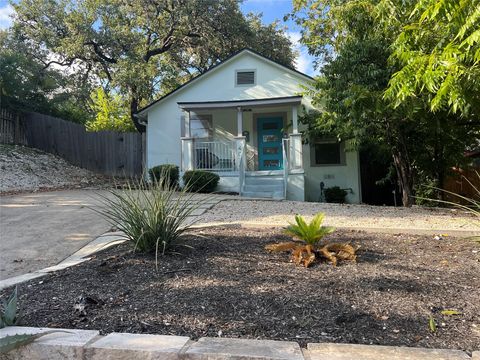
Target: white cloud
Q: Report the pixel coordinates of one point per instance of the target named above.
(303, 62)
(6, 12)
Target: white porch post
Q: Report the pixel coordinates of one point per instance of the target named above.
(239, 121)
(240, 148)
(187, 145)
(187, 123)
(296, 153)
(295, 119)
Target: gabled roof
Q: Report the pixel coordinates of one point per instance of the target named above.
(216, 66)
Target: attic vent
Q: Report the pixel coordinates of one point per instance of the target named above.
(246, 77)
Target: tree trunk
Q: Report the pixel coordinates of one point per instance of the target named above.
(405, 176)
(133, 110)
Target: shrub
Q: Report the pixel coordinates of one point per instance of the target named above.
(200, 181)
(335, 195)
(165, 172)
(306, 247)
(311, 233)
(8, 313)
(153, 217)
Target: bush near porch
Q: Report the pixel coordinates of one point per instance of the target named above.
(200, 181)
(166, 172)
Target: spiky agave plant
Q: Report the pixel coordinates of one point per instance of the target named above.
(8, 313)
(306, 245)
(152, 216)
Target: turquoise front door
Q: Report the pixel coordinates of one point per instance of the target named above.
(269, 130)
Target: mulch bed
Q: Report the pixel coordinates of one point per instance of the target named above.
(228, 285)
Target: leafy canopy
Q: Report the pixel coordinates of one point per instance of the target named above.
(354, 41)
(144, 48)
(438, 50)
(110, 113)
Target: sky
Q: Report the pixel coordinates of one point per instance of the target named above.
(271, 9)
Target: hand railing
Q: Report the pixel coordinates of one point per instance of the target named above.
(214, 155)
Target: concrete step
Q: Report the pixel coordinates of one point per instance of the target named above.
(264, 180)
(263, 187)
(264, 194)
(264, 173)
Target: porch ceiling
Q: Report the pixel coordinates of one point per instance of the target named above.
(289, 100)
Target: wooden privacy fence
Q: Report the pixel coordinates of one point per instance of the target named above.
(107, 152)
(12, 128)
(465, 182)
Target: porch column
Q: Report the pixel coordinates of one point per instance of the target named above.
(187, 145)
(240, 148)
(239, 121)
(295, 119)
(187, 123)
(296, 151)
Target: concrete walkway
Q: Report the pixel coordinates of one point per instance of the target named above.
(40, 230)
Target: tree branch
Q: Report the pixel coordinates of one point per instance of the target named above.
(99, 53)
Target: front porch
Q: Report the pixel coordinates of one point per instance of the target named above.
(253, 145)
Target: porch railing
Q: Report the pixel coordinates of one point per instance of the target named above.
(214, 155)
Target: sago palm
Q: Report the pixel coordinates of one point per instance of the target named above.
(310, 233)
(308, 236)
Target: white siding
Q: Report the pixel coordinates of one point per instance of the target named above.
(164, 118)
(218, 85)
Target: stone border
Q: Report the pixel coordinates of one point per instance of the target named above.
(100, 243)
(88, 344)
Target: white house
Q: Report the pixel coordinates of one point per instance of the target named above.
(240, 120)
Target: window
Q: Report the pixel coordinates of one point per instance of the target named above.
(200, 126)
(327, 152)
(244, 77)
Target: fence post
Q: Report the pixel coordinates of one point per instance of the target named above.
(16, 133)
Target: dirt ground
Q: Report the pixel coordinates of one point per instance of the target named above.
(27, 169)
(228, 285)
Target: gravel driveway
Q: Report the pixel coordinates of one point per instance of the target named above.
(279, 213)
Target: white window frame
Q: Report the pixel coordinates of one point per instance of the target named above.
(246, 70)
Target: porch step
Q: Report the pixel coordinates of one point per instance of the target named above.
(278, 195)
(261, 180)
(264, 187)
(264, 173)
(264, 184)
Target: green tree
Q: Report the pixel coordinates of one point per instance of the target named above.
(438, 50)
(141, 47)
(354, 46)
(110, 113)
(27, 85)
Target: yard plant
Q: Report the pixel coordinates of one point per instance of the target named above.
(165, 172)
(335, 194)
(8, 313)
(152, 216)
(306, 245)
(200, 181)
